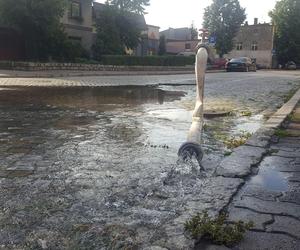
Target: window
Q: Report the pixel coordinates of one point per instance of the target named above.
(75, 39)
(187, 46)
(254, 46)
(239, 46)
(75, 9)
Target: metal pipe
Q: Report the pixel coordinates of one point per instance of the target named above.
(192, 147)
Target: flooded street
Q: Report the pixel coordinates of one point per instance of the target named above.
(95, 167)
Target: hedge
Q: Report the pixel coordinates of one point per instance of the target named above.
(148, 60)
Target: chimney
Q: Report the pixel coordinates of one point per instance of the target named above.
(255, 21)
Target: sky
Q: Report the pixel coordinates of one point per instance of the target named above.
(182, 13)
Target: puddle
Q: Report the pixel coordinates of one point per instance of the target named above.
(250, 124)
(271, 180)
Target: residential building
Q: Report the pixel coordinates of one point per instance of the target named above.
(181, 34)
(185, 47)
(78, 22)
(255, 41)
(149, 42)
(179, 41)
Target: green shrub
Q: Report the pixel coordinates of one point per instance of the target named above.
(217, 230)
(147, 60)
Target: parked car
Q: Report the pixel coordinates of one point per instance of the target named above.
(291, 65)
(241, 64)
(219, 63)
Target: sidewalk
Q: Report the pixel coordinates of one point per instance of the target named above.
(67, 73)
(271, 197)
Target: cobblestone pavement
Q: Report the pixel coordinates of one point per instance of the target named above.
(271, 197)
(95, 168)
(99, 81)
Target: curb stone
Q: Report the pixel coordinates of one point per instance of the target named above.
(243, 158)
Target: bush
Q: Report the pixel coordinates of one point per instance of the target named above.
(147, 60)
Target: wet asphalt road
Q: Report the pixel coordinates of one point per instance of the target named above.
(79, 164)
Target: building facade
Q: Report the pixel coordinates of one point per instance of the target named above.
(179, 41)
(186, 47)
(181, 34)
(149, 43)
(78, 22)
(257, 42)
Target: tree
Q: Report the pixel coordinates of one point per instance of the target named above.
(38, 21)
(223, 19)
(116, 31)
(135, 6)
(194, 32)
(162, 45)
(285, 18)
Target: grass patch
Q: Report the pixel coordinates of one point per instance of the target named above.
(294, 117)
(237, 141)
(246, 113)
(281, 133)
(218, 231)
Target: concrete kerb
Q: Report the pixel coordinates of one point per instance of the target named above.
(62, 73)
(239, 164)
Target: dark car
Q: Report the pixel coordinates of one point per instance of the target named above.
(241, 64)
(290, 65)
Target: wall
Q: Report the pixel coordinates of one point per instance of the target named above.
(262, 34)
(81, 28)
(30, 66)
(175, 47)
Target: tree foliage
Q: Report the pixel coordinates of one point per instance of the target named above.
(136, 6)
(162, 45)
(223, 19)
(285, 17)
(194, 32)
(116, 31)
(38, 21)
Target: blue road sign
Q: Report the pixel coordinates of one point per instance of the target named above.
(212, 39)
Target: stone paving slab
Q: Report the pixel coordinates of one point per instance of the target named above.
(284, 225)
(240, 162)
(271, 198)
(267, 241)
(269, 207)
(258, 219)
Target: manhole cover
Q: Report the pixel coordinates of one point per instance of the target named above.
(215, 113)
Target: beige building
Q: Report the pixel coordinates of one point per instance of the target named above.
(149, 42)
(255, 41)
(185, 47)
(78, 22)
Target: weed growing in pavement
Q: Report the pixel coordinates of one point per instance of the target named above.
(281, 133)
(237, 141)
(218, 231)
(246, 113)
(294, 117)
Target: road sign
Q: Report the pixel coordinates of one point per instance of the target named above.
(212, 39)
